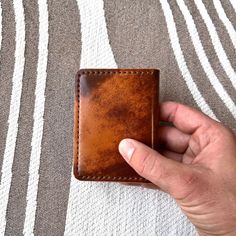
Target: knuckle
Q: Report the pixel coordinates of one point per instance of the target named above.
(223, 133)
(147, 165)
(142, 169)
(230, 133)
(188, 187)
(190, 179)
(152, 169)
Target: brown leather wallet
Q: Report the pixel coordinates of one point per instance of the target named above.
(110, 105)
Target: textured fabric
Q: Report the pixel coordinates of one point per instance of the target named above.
(42, 45)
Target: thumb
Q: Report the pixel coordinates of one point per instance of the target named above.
(173, 177)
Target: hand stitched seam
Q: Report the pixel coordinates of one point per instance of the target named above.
(107, 177)
(110, 177)
(116, 72)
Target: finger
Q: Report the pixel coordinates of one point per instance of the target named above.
(172, 155)
(188, 156)
(183, 117)
(169, 175)
(173, 139)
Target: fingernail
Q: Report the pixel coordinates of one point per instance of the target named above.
(126, 149)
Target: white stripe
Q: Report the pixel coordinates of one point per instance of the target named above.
(96, 53)
(197, 96)
(8, 157)
(0, 26)
(223, 17)
(225, 63)
(38, 119)
(204, 60)
(233, 3)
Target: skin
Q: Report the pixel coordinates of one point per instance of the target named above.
(196, 166)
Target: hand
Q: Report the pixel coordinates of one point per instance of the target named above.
(197, 167)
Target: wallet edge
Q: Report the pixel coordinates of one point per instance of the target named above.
(140, 179)
(76, 127)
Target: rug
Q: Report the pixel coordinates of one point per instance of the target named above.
(42, 45)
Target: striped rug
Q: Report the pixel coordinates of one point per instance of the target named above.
(42, 45)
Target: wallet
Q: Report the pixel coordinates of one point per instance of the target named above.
(110, 105)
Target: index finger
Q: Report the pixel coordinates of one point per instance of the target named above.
(185, 118)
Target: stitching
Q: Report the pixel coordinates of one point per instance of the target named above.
(78, 133)
(106, 177)
(115, 72)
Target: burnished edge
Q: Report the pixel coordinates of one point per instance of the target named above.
(76, 127)
(155, 73)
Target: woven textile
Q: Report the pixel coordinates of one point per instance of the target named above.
(42, 45)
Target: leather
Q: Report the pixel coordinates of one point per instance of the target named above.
(110, 105)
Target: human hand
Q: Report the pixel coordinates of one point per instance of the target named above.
(196, 166)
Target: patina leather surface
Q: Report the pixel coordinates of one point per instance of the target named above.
(112, 104)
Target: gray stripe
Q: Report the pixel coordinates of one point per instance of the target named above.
(17, 200)
(207, 90)
(231, 14)
(145, 43)
(56, 157)
(7, 54)
(139, 38)
(190, 55)
(222, 32)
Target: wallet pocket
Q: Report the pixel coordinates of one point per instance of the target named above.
(110, 105)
